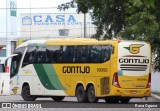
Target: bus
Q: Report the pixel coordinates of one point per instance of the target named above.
(113, 70)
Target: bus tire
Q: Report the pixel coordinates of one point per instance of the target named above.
(91, 94)
(112, 100)
(124, 100)
(26, 94)
(81, 94)
(58, 98)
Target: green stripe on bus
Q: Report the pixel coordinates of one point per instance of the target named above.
(43, 76)
(49, 69)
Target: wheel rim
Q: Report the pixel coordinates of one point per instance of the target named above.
(28, 93)
(91, 94)
(80, 94)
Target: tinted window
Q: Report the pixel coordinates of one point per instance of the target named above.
(17, 59)
(69, 54)
(20, 52)
(31, 56)
(82, 54)
(106, 53)
(42, 56)
(54, 54)
(95, 54)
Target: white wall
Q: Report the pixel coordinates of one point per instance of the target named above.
(155, 82)
(40, 25)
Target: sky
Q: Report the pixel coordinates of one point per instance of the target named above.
(33, 4)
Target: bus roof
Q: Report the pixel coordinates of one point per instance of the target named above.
(70, 41)
(67, 41)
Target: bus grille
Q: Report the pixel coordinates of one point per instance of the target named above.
(104, 85)
(133, 67)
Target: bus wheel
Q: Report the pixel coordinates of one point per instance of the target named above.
(58, 98)
(125, 100)
(111, 100)
(81, 94)
(91, 95)
(26, 94)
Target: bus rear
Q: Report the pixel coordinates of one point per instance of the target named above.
(133, 78)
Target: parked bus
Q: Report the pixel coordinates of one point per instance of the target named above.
(114, 70)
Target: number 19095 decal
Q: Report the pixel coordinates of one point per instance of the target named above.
(102, 70)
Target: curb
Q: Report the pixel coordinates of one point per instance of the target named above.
(155, 96)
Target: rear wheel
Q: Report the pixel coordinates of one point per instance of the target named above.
(124, 100)
(91, 94)
(26, 94)
(81, 94)
(58, 98)
(112, 100)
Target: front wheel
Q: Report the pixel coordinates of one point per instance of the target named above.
(26, 94)
(58, 98)
(91, 94)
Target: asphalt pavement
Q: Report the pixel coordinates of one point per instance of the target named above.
(70, 103)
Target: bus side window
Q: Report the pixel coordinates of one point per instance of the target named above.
(69, 54)
(30, 56)
(41, 53)
(81, 54)
(106, 53)
(95, 54)
(56, 54)
(33, 57)
(77, 57)
(60, 55)
(49, 54)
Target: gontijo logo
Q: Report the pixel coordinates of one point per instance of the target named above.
(134, 48)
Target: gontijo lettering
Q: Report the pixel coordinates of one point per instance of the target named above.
(125, 60)
(76, 69)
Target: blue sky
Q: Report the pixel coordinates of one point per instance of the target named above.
(27, 4)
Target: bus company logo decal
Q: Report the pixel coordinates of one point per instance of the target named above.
(15, 90)
(134, 48)
(26, 20)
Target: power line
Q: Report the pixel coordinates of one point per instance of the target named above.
(32, 8)
(43, 30)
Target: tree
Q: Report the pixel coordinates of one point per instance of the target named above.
(107, 14)
(133, 19)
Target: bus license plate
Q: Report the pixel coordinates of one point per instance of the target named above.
(133, 91)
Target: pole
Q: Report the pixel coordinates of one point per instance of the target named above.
(30, 25)
(84, 25)
(6, 22)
